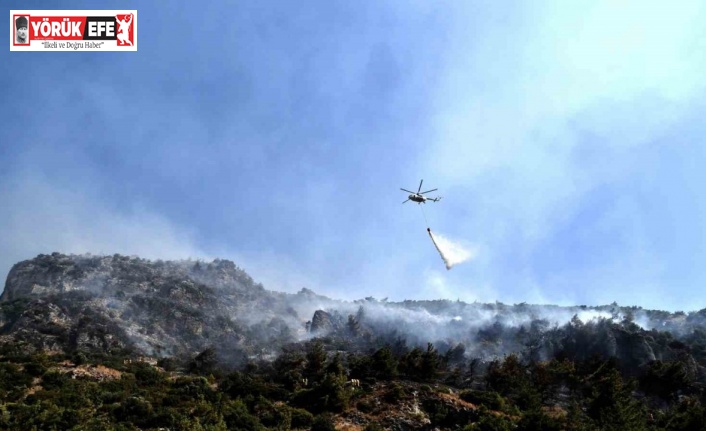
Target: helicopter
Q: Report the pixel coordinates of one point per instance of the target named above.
(419, 197)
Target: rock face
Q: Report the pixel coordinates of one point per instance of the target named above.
(321, 323)
(325, 322)
(68, 303)
(45, 274)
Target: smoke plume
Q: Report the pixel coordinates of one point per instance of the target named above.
(451, 252)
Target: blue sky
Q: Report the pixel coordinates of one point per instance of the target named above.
(566, 139)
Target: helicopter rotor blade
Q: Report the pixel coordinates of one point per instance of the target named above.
(405, 190)
(405, 201)
(420, 185)
(432, 190)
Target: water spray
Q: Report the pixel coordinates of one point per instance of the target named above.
(451, 253)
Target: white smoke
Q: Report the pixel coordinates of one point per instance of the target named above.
(451, 252)
(593, 315)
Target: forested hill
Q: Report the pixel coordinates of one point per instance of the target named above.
(68, 303)
(123, 343)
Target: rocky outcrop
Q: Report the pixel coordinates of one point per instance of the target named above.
(41, 276)
(321, 323)
(410, 406)
(122, 275)
(325, 322)
(115, 303)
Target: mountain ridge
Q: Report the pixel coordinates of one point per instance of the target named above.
(110, 304)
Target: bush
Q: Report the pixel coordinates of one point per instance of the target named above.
(490, 422)
(237, 416)
(134, 409)
(168, 364)
(147, 375)
(437, 412)
(489, 399)
(301, 418)
(35, 369)
(54, 380)
(323, 422)
(395, 394)
(365, 406)
(12, 381)
(108, 397)
(79, 358)
(277, 416)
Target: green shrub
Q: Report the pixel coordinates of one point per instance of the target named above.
(12, 381)
(54, 380)
(395, 394)
(134, 409)
(35, 369)
(490, 422)
(323, 422)
(147, 375)
(489, 399)
(237, 416)
(301, 418)
(436, 410)
(271, 415)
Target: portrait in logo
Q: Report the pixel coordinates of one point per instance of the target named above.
(124, 26)
(21, 30)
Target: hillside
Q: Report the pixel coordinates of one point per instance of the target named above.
(173, 345)
(117, 303)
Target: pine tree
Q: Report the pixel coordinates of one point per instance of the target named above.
(612, 405)
(336, 366)
(353, 326)
(315, 360)
(431, 363)
(384, 365)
